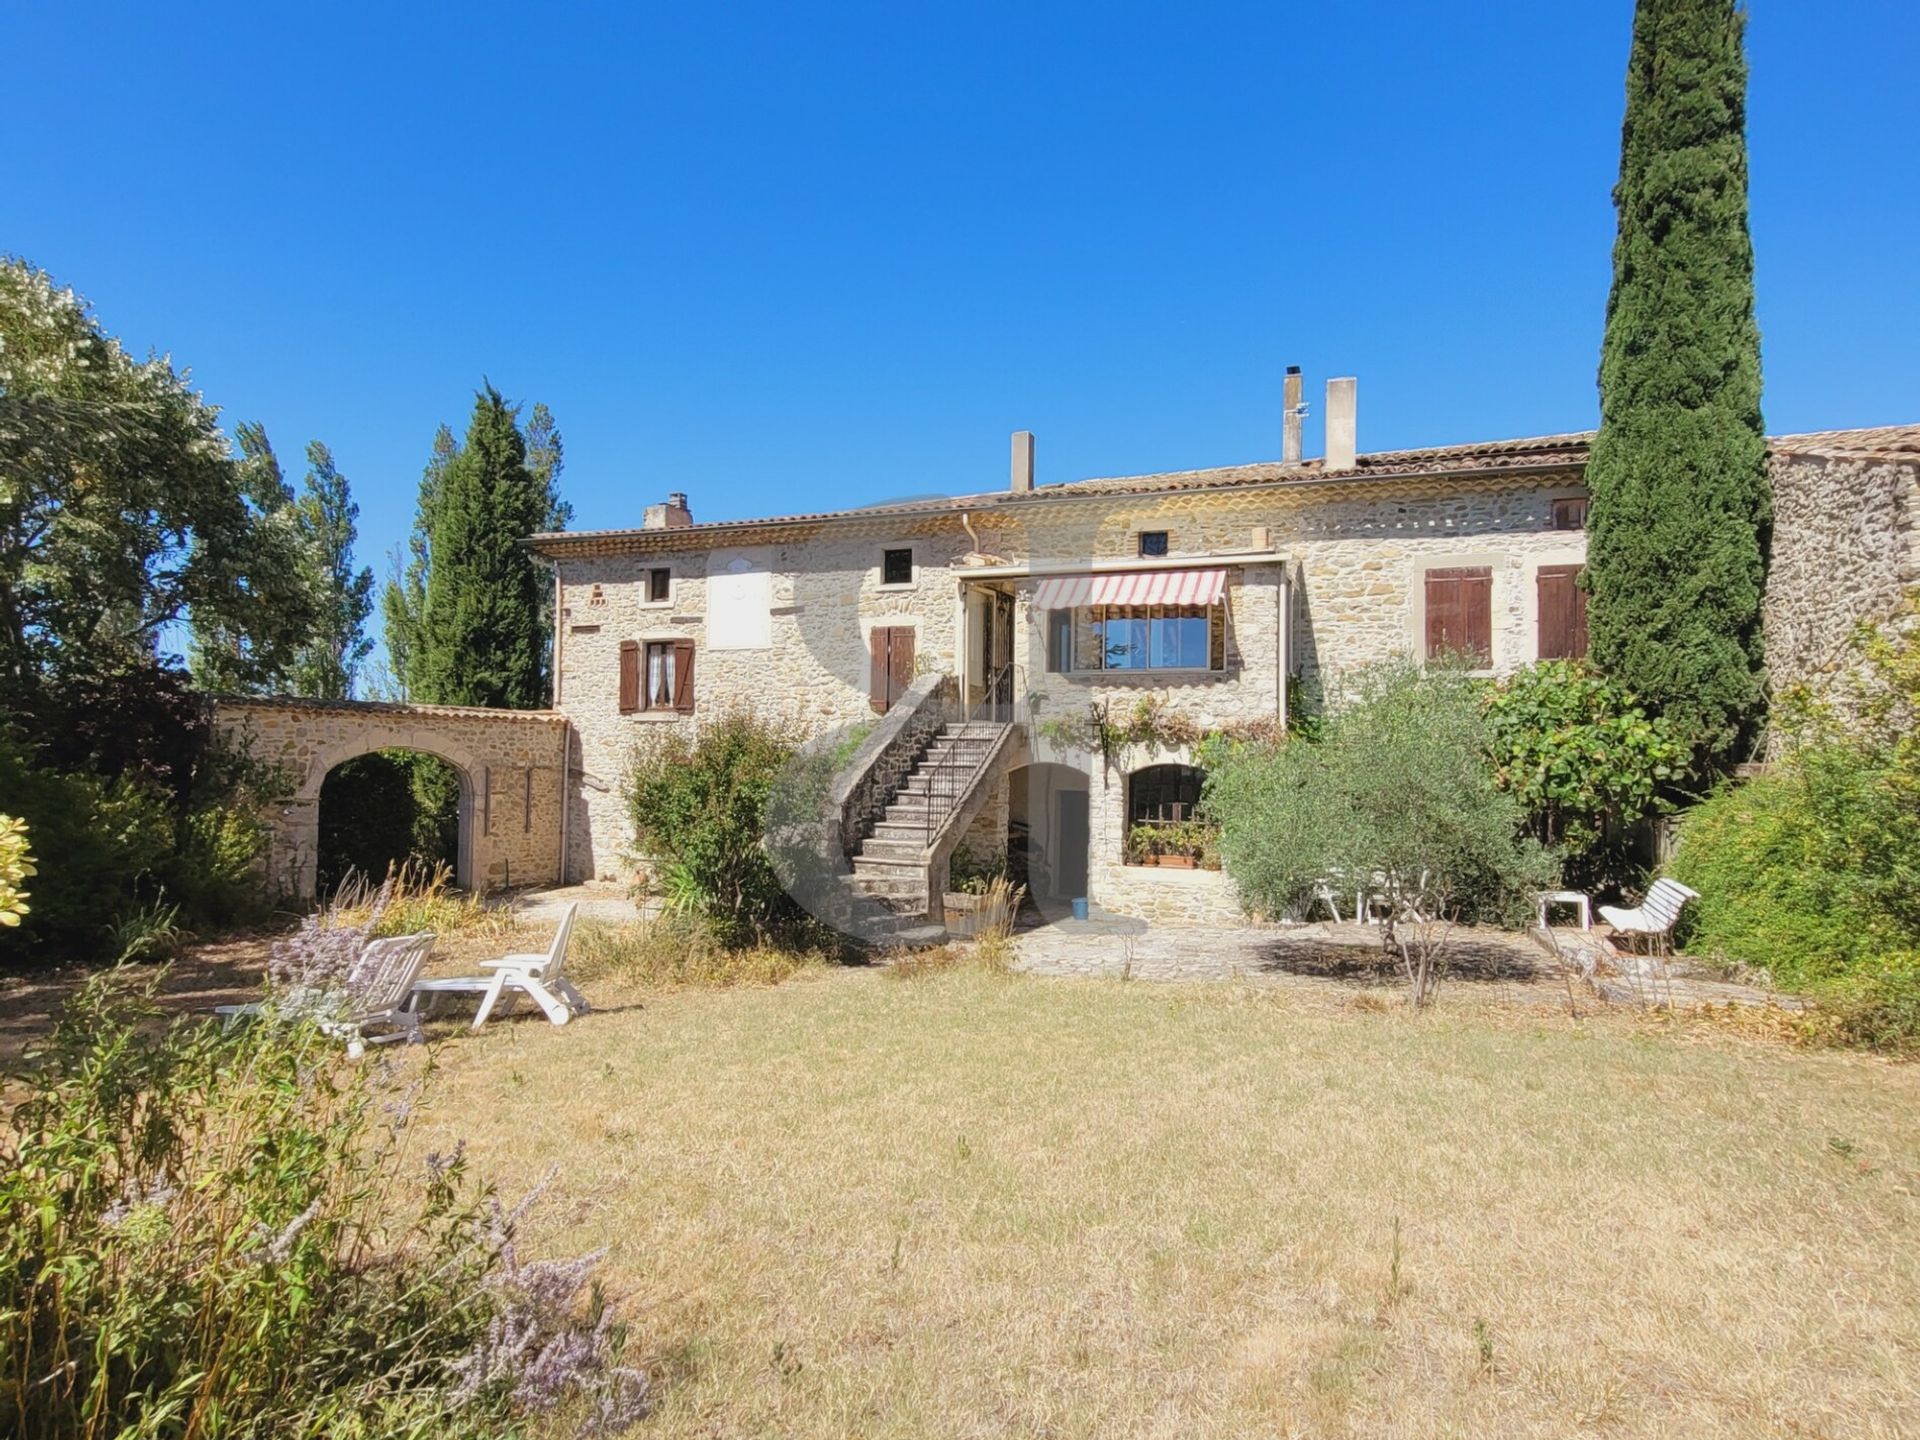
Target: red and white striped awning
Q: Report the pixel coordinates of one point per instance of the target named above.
(1131, 587)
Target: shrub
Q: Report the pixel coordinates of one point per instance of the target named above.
(1585, 760)
(1396, 796)
(699, 807)
(16, 867)
(223, 1233)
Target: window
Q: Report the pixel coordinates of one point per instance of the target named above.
(656, 675)
(1059, 641)
(1570, 514)
(659, 585)
(1164, 793)
(896, 567)
(1149, 637)
(1153, 542)
(1460, 613)
(1563, 613)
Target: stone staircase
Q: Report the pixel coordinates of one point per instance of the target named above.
(890, 865)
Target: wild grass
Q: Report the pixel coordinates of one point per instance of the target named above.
(423, 898)
(678, 950)
(1080, 1208)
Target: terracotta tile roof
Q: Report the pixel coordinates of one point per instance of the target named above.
(1532, 454)
(1890, 440)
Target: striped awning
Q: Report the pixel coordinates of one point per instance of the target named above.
(1131, 587)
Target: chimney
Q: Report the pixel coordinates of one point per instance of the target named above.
(674, 515)
(1291, 417)
(1022, 461)
(1340, 423)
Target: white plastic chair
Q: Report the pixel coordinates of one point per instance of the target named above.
(1655, 915)
(540, 977)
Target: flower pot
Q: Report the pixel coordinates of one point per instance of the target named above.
(1177, 862)
(967, 914)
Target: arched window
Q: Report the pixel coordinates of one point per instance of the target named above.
(1161, 794)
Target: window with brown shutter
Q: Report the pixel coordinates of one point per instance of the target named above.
(890, 672)
(629, 676)
(1563, 613)
(1460, 613)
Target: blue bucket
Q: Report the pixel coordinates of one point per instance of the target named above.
(1080, 908)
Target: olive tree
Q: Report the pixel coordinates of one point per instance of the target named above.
(1396, 799)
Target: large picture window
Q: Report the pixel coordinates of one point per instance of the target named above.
(1149, 637)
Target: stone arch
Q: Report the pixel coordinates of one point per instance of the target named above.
(512, 767)
(330, 759)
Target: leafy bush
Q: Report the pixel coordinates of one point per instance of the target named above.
(16, 868)
(1396, 797)
(1585, 760)
(699, 807)
(223, 1233)
(1811, 872)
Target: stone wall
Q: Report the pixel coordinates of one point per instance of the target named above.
(511, 766)
(1846, 548)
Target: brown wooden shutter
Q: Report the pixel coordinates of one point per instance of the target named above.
(1563, 613)
(878, 655)
(1460, 613)
(683, 676)
(629, 676)
(899, 662)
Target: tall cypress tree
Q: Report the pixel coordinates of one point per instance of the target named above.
(481, 635)
(327, 518)
(1681, 508)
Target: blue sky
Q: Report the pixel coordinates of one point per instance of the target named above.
(784, 257)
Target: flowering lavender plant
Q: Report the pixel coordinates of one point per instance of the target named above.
(538, 1345)
(314, 970)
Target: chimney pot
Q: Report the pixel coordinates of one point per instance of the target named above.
(672, 515)
(1341, 432)
(1022, 461)
(1290, 417)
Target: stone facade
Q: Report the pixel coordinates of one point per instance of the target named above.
(511, 764)
(1846, 548)
(1318, 582)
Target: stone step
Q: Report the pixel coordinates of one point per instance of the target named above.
(889, 832)
(903, 848)
(902, 891)
(888, 866)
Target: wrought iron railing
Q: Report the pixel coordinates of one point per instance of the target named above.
(952, 773)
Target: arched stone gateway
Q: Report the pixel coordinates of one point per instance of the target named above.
(511, 764)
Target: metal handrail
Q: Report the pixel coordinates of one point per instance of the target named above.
(948, 782)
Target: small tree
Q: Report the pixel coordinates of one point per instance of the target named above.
(1396, 798)
(1585, 760)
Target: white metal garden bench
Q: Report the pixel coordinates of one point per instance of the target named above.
(1654, 917)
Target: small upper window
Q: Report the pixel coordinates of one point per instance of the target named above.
(659, 585)
(1153, 542)
(896, 567)
(1570, 514)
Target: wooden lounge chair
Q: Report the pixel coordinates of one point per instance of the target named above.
(374, 1006)
(538, 976)
(1654, 917)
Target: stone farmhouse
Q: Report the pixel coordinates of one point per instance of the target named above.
(978, 656)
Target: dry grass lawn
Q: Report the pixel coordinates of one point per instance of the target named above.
(967, 1205)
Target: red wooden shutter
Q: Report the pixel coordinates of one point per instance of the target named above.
(1563, 613)
(1443, 608)
(629, 676)
(683, 676)
(1476, 598)
(878, 656)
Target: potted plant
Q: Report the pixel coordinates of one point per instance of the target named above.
(972, 902)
